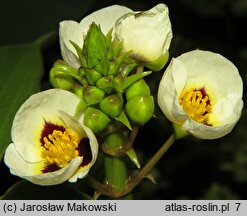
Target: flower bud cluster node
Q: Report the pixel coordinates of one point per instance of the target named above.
(106, 81)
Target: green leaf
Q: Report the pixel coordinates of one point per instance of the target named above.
(25, 190)
(21, 69)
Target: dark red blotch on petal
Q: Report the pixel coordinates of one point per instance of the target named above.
(48, 129)
(84, 150)
(51, 168)
(204, 94)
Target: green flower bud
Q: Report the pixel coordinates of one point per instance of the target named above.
(105, 83)
(95, 47)
(138, 88)
(59, 75)
(95, 119)
(92, 76)
(112, 105)
(93, 95)
(140, 108)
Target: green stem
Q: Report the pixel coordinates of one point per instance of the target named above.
(140, 68)
(119, 185)
(150, 164)
(116, 172)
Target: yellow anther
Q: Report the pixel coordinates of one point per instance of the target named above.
(196, 104)
(67, 158)
(60, 147)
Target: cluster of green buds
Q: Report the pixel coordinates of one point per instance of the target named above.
(106, 81)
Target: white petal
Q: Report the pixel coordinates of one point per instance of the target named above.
(82, 131)
(83, 171)
(171, 84)
(70, 31)
(207, 132)
(147, 33)
(227, 110)
(73, 31)
(208, 68)
(203, 69)
(73, 124)
(29, 120)
(18, 166)
(105, 17)
(220, 78)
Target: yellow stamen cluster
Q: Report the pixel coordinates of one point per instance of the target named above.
(60, 147)
(196, 105)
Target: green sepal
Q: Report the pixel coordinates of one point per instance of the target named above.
(127, 69)
(133, 78)
(133, 157)
(111, 53)
(128, 60)
(78, 90)
(159, 63)
(180, 133)
(124, 120)
(93, 95)
(109, 36)
(81, 106)
(92, 76)
(105, 83)
(82, 75)
(82, 60)
(117, 47)
(103, 66)
(118, 83)
(115, 65)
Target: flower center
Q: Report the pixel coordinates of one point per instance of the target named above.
(196, 104)
(60, 148)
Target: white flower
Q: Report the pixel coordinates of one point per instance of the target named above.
(202, 92)
(73, 31)
(148, 34)
(49, 145)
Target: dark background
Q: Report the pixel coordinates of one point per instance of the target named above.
(192, 168)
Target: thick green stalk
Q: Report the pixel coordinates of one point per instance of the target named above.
(118, 184)
(116, 172)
